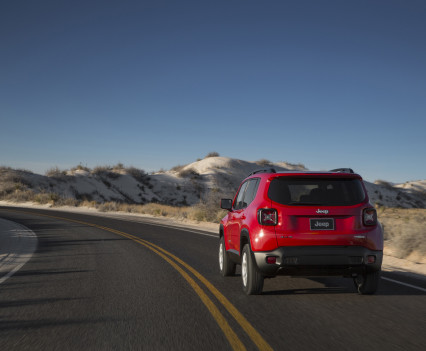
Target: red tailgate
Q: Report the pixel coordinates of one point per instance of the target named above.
(311, 226)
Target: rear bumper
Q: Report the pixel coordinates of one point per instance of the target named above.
(319, 260)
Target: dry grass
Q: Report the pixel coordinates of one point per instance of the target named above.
(405, 233)
(28, 195)
(200, 213)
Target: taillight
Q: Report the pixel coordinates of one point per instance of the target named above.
(369, 216)
(267, 216)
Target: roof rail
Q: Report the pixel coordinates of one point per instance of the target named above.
(343, 170)
(263, 170)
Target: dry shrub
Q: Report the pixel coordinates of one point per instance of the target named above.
(208, 209)
(19, 195)
(107, 207)
(263, 162)
(90, 204)
(202, 212)
(106, 171)
(69, 201)
(54, 200)
(404, 231)
(43, 198)
(118, 167)
(80, 167)
(177, 168)
(99, 170)
(212, 154)
(14, 186)
(55, 172)
(164, 210)
(138, 174)
(189, 173)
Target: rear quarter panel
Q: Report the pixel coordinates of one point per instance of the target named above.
(262, 238)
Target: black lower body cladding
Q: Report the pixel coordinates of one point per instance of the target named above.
(319, 260)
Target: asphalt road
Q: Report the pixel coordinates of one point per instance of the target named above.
(97, 283)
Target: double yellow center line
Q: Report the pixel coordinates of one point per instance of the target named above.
(177, 264)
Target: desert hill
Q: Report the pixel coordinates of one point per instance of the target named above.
(181, 185)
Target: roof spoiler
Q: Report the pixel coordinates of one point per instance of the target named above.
(263, 170)
(343, 170)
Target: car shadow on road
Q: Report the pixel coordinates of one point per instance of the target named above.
(30, 302)
(19, 325)
(346, 286)
(311, 291)
(22, 273)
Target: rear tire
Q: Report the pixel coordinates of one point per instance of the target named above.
(367, 283)
(252, 279)
(226, 266)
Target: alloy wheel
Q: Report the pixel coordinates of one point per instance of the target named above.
(221, 256)
(244, 269)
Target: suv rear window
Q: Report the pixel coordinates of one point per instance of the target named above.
(316, 191)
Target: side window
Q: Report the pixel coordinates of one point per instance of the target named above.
(246, 194)
(239, 200)
(250, 191)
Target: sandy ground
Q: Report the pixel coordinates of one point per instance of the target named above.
(390, 263)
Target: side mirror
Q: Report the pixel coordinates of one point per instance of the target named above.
(226, 204)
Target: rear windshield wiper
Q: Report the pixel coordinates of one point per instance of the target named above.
(305, 203)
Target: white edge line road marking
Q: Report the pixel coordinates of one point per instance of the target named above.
(14, 270)
(405, 284)
(31, 245)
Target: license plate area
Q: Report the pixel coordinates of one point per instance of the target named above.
(321, 223)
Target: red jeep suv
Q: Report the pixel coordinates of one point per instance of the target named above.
(301, 223)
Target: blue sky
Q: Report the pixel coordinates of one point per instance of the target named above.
(154, 84)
